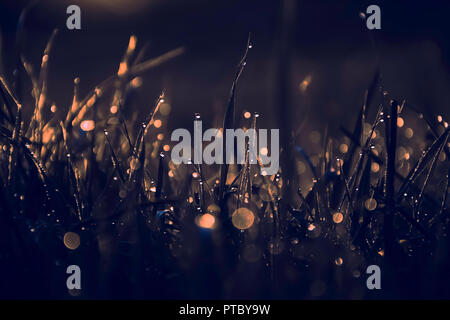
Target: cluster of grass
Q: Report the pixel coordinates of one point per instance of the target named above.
(94, 187)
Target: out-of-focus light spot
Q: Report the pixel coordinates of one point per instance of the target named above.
(122, 194)
(338, 217)
(166, 147)
(136, 82)
(247, 115)
(305, 83)
(71, 240)
(87, 125)
(171, 174)
(53, 108)
(195, 175)
(409, 133)
(213, 209)
(243, 218)
(375, 167)
(381, 253)
(158, 123)
(160, 136)
(343, 148)
(114, 109)
(264, 151)
(371, 204)
(400, 122)
(339, 261)
(206, 221)
(191, 199)
(165, 109)
(439, 118)
(311, 227)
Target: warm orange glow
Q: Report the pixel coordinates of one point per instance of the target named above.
(122, 69)
(375, 167)
(87, 125)
(48, 134)
(114, 109)
(158, 123)
(343, 148)
(206, 221)
(166, 147)
(136, 82)
(400, 122)
(132, 43)
(91, 101)
(338, 217)
(243, 218)
(305, 83)
(409, 133)
(247, 115)
(71, 240)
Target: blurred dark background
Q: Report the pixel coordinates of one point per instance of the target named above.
(333, 58)
(330, 46)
